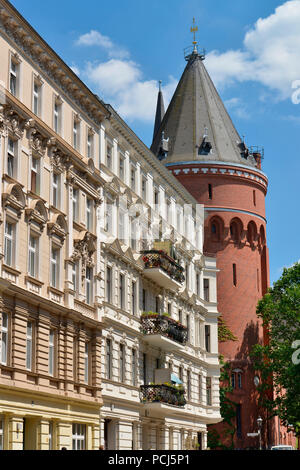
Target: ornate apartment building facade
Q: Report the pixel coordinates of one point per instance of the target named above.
(108, 305)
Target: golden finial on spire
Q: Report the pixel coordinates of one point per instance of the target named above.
(194, 29)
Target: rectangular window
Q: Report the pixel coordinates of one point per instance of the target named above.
(133, 298)
(51, 352)
(198, 284)
(75, 277)
(108, 284)
(75, 200)
(86, 362)
(208, 391)
(29, 345)
(54, 263)
(157, 304)
(132, 179)
(78, 436)
(180, 316)
(180, 373)
(1, 433)
(188, 328)
(144, 188)
(207, 338)
(89, 285)
(37, 98)
(233, 379)
(122, 364)
(89, 214)
(187, 275)
(57, 115)
(133, 367)
(239, 380)
(200, 387)
(35, 175)
(56, 186)
(11, 158)
(76, 134)
(206, 289)
(122, 291)
(4, 338)
(156, 197)
(210, 193)
(144, 300)
(145, 368)
(108, 216)
(234, 277)
(121, 167)
(109, 156)
(33, 256)
(189, 388)
(9, 244)
(108, 359)
(169, 309)
(254, 197)
(13, 77)
(133, 232)
(90, 145)
(239, 421)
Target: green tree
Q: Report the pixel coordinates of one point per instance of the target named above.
(279, 360)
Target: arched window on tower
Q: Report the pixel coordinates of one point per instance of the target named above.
(216, 229)
(236, 228)
(251, 232)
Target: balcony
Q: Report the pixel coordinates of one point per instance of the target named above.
(162, 269)
(163, 331)
(160, 397)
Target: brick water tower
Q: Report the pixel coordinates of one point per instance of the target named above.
(199, 144)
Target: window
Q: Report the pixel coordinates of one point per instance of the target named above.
(56, 190)
(108, 284)
(208, 391)
(233, 379)
(132, 179)
(78, 436)
(133, 298)
(75, 200)
(89, 214)
(11, 158)
(144, 188)
(180, 316)
(86, 362)
(188, 328)
(254, 197)
(108, 216)
(206, 289)
(133, 232)
(89, 285)
(35, 175)
(122, 291)
(76, 134)
(57, 116)
(90, 145)
(169, 309)
(55, 263)
(108, 359)
(75, 270)
(187, 275)
(51, 352)
(33, 256)
(109, 156)
(122, 364)
(145, 368)
(121, 166)
(189, 391)
(180, 373)
(157, 305)
(210, 194)
(156, 197)
(207, 338)
(144, 300)
(14, 77)
(234, 277)
(51, 435)
(29, 345)
(37, 97)
(9, 243)
(1, 433)
(133, 367)
(4, 338)
(198, 284)
(200, 387)
(121, 225)
(239, 380)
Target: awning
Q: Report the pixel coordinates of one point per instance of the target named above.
(175, 379)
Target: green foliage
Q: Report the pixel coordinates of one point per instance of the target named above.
(280, 313)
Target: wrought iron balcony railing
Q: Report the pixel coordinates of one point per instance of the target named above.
(163, 393)
(154, 324)
(160, 259)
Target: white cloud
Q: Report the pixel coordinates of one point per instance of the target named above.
(238, 107)
(95, 38)
(121, 83)
(271, 53)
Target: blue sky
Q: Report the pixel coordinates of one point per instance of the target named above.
(121, 49)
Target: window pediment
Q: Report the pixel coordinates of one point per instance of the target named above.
(15, 198)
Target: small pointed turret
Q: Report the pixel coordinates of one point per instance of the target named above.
(160, 111)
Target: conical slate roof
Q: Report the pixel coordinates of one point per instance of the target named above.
(160, 111)
(197, 123)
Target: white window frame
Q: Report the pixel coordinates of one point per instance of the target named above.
(37, 97)
(75, 202)
(10, 240)
(75, 272)
(90, 144)
(55, 265)
(87, 362)
(4, 338)
(52, 352)
(37, 171)
(12, 156)
(89, 294)
(109, 154)
(78, 436)
(34, 251)
(76, 133)
(15, 73)
(89, 214)
(29, 346)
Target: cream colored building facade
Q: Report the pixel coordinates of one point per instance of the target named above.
(80, 198)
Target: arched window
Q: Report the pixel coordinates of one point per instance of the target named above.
(251, 232)
(216, 229)
(236, 228)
